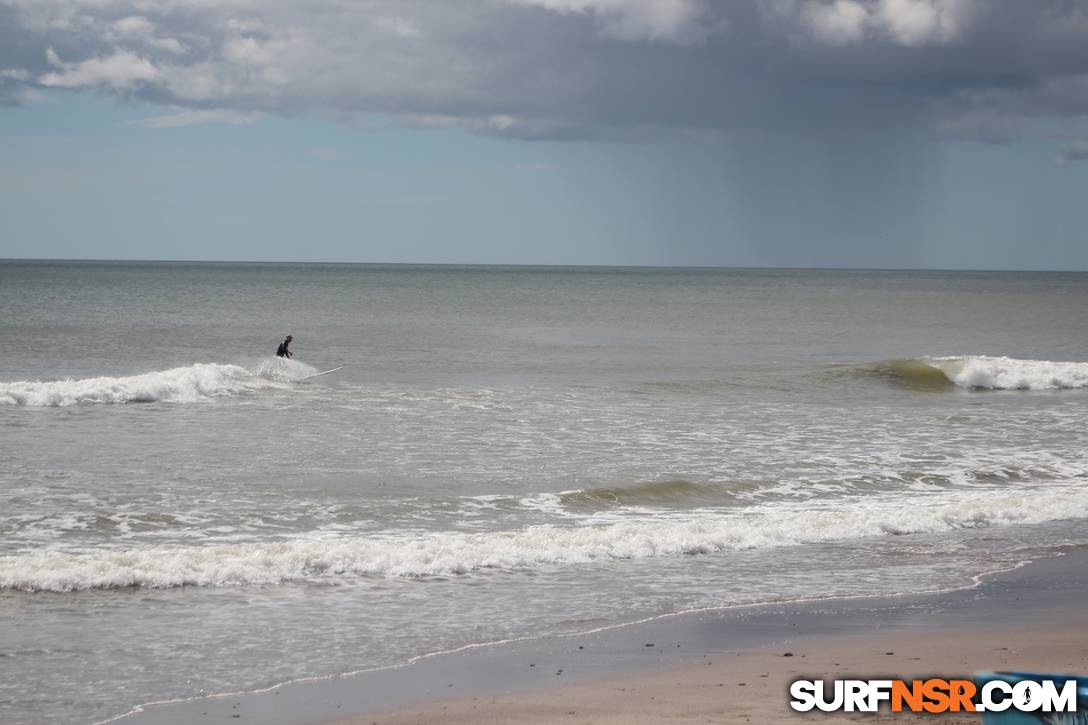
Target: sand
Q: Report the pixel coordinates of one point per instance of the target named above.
(751, 686)
(718, 666)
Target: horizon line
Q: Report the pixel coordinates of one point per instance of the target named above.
(542, 266)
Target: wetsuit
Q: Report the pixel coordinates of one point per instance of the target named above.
(282, 350)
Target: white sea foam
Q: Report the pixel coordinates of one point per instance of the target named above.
(177, 385)
(283, 369)
(1006, 373)
(453, 553)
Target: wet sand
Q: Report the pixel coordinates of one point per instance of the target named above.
(722, 666)
(751, 686)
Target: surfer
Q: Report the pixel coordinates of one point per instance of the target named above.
(282, 350)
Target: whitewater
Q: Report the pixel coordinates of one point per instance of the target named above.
(1004, 373)
(978, 373)
(188, 384)
(450, 553)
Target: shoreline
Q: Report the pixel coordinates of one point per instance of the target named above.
(751, 685)
(1042, 589)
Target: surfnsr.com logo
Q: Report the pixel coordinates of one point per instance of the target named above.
(936, 695)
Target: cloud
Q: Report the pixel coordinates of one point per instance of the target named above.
(842, 21)
(134, 26)
(573, 69)
(504, 125)
(138, 30)
(192, 117)
(119, 70)
(915, 22)
(671, 21)
(1075, 152)
(902, 22)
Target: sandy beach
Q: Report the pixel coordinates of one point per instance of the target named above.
(1017, 632)
(751, 686)
(723, 666)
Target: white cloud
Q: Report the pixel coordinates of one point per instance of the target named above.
(842, 21)
(916, 22)
(248, 51)
(502, 125)
(134, 26)
(904, 22)
(140, 31)
(191, 117)
(120, 70)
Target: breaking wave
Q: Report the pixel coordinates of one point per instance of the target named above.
(188, 384)
(533, 547)
(982, 373)
(645, 493)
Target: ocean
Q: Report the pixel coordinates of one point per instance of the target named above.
(507, 453)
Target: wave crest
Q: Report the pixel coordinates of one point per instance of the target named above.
(644, 493)
(980, 372)
(192, 383)
(534, 547)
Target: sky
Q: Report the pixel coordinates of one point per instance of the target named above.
(798, 133)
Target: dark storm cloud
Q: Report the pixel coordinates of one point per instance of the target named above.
(571, 69)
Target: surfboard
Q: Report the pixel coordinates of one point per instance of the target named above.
(324, 372)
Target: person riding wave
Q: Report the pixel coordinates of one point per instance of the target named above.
(282, 350)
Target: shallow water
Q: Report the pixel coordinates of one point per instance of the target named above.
(506, 452)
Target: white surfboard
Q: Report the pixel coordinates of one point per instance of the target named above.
(324, 372)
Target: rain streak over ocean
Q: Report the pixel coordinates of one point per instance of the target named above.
(507, 452)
